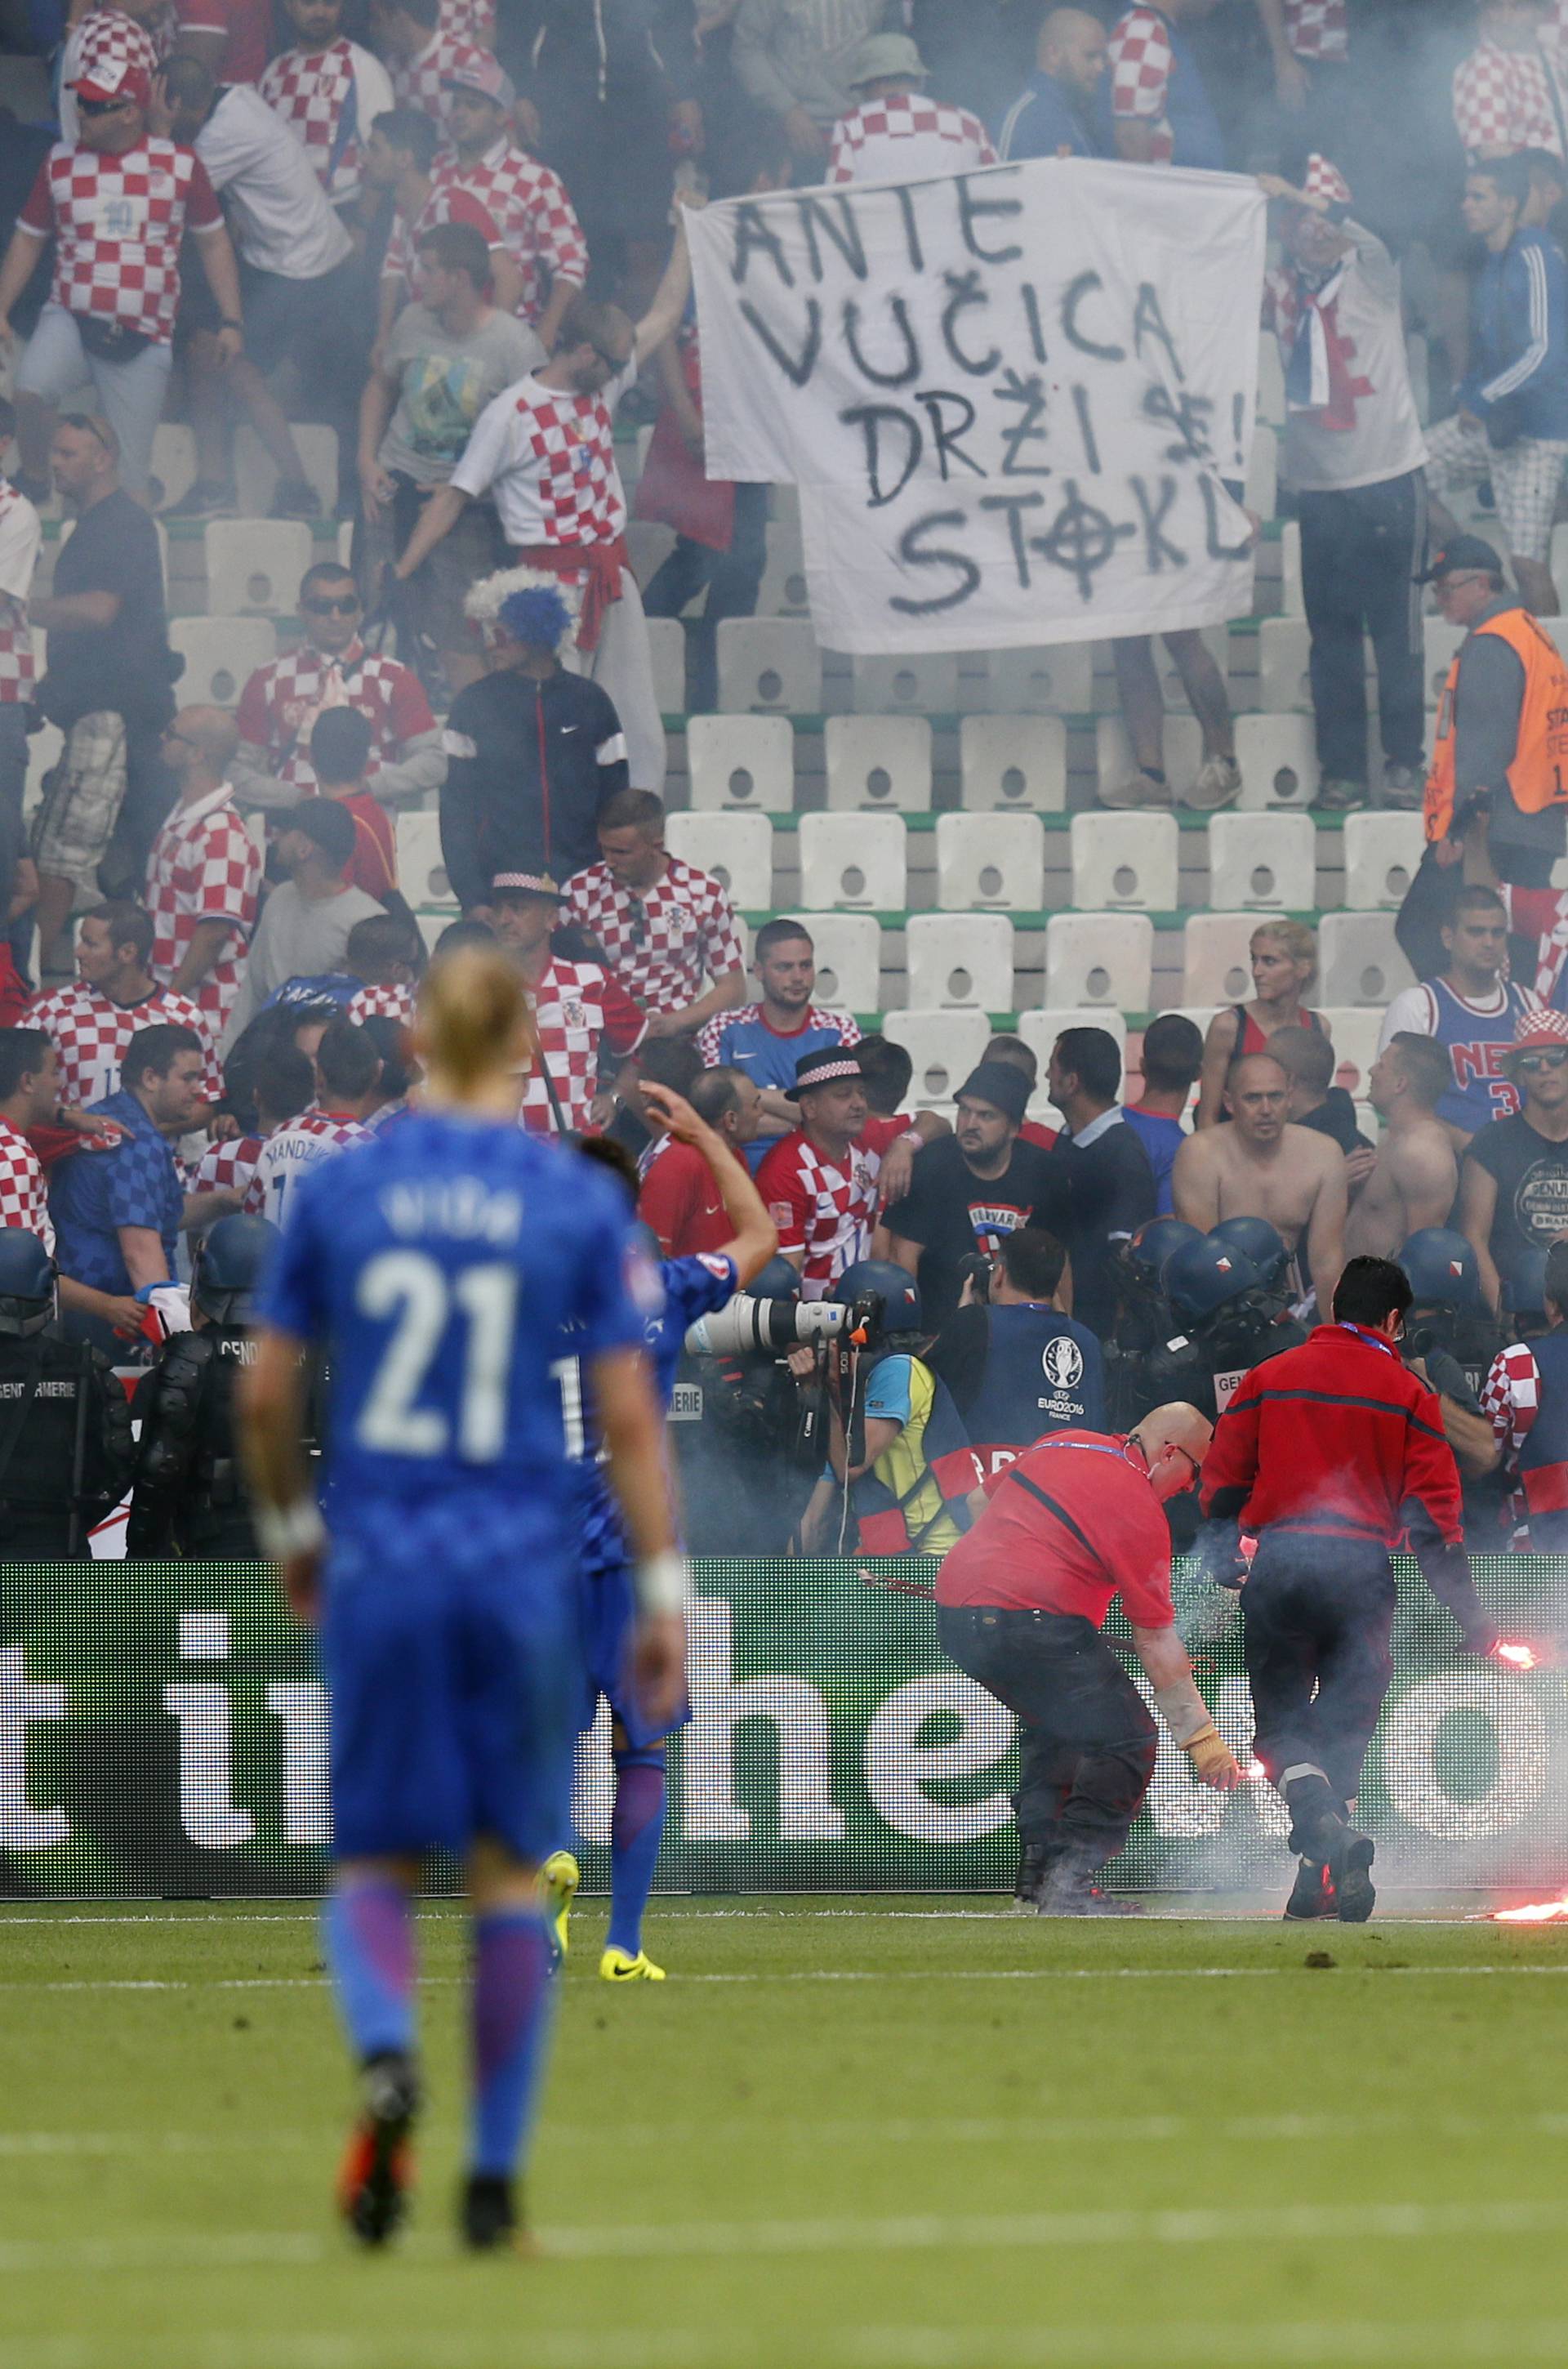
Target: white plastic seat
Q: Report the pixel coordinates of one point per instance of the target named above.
(990, 863)
(254, 566)
(1560, 554)
(1095, 959)
(1183, 744)
(1293, 601)
(345, 543)
(783, 591)
(768, 666)
(914, 682)
(220, 653)
(1278, 757)
(1056, 681)
(742, 763)
(849, 958)
(1040, 1029)
(1359, 959)
(856, 861)
(878, 764)
(1268, 862)
(1355, 1030)
(737, 849)
(1381, 854)
(420, 866)
(174, 461)
(944, 1046)
(1009, 763)
(1285, 649)
(959, 960)
(667, 646)
(1263, 472)
(1215, 965)
(1442, 642)
(256, 473)
(1124, 862)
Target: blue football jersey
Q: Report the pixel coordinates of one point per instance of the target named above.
(441, 1267)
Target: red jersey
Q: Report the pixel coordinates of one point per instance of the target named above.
(681, 1202)
(1071, 1524)
(879, 1131)
(374, 864)
(1031, 1131)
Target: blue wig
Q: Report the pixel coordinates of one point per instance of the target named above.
(538, 617)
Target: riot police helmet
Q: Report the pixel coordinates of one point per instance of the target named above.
(1204, 1277)
(778, 1280)
(1156, 1240)
(891, 1286)
(1442, 1269)
(26, 1283)
(228, 1267)
(1257, 1240)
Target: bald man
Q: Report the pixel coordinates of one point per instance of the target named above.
(204, 873)
(1261, 1166)
(1057, 113)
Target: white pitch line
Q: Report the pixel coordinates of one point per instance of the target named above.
(1340, 2340)
(924, 1976)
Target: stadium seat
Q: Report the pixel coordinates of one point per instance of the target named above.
(878, 764)
(855, 861)
(944, 1046)
(737, 849)
(1278, 757)
(995, 863)
(254, 566)
(1442, 641)
(1271, 381)
(220, 653)
(1007, 762)
(849, 958)
(1355, 1030)
(782, 589)
(1215, 966)
(1263, 472)
(1184, 751)
(1292, 600)
(648, 544)
(959, 959)
(174, 461)
(256, 473)
(768, 666)
(1382, 852)
(667, 646)
(1560, 554)
(739, 763)
(1266, 861)
(421, 867)
(922, 682)
(1284, 653)
(1124, 862)
(1040, 1029)
(346, 543)
(1099, 959)
(1359, 959)
(1054, 681)
(43, 751)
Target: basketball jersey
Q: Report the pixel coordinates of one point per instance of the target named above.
(1475, 1044)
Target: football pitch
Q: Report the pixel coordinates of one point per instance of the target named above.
(900, 2134)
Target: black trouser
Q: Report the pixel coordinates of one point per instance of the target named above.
(733, 578)
(1087, 1750)
(1361, 550)
(1318, 1610)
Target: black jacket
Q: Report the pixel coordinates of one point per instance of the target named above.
(529, 764)
(190, 1496)
(64, 1447)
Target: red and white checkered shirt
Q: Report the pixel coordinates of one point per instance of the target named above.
(1504, 98)
(576, 1008)
(20, 535)
(296, 1148)
(1541, 915)
(310, 94)
(547, 459)
(386, 1003)
(1317, 30)
(226, 1167)
(118, 222)
(468, 20)
(417, 81)
(90, 1034)
(102, 40)
(279, 706)
(1510, 1398)
(660, 942)
(895, 138)
(527, 204)
(204, 867)
(24, 1196)
(825, 1212)
(1142, 63)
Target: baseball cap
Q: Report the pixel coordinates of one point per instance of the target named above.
(527, 884)
(883, 55)
(1002, 1085)
(1463, 551)
(113, 78)
(487, 78)
(1539, 1032)
(823, 1069)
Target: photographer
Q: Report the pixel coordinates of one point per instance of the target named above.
(1015, 1365)
(750, 1444)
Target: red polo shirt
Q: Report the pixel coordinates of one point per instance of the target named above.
(1071, 1525)
(681, 1200)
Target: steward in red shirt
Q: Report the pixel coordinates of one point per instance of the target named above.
(1076, 1520)
(1331, 1455)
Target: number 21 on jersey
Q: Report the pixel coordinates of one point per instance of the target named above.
(424, 1303)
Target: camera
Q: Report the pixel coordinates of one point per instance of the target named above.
(768, 1325)
(977, 1269)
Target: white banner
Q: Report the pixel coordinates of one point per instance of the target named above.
(1011, 399)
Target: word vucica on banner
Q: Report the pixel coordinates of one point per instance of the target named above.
(1013, 400)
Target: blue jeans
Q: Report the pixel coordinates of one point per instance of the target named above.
(130, 395)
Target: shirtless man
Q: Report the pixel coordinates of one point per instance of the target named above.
(1261, 1166)
(1416, 1174)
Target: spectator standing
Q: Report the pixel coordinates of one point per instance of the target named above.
(1416, 1175)
(546, 447)
(1511, 92)
(766, 1039)
(1058, 112)
(30, 1102)
(204, 873)
(421, 52)
(893, 132)
(797, 62)
(1309, 44)
(1169, 1062)
(117, 208)
(339, 756)
(332, 668)
(661, 925)
(304, 925)
(1005, 1048)
(284, 1085)
(117, 1214)
(1525, 1397)
(347, 1070)
(106, 685)
(1098, 1165)
(399, 162)
(1282, 958)
(385, 953)
(329, 91)
(1263, 1167)
(971, 1189)
(680, 1198)
(91, 1022)
(1309, 1061)
(1352, 451)
(1015, 1364)
(819, 1183)
(581, 1012)
(111, 36)
(21, 535)
(893, 1133)
(533, 752)
(1470, 1012)
(1514, 1176)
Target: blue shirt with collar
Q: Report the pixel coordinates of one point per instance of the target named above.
(93, 1194)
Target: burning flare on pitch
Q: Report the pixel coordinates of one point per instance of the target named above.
(1536, 1912)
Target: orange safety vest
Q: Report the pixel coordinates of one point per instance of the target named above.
(1538, 777)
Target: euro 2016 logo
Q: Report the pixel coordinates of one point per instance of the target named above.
(1061, 1361)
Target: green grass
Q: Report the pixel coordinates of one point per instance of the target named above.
(900, 2134)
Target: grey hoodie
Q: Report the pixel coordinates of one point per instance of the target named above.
(797, 52)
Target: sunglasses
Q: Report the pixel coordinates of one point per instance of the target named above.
(100, 106)
(342, 604)
(1529, 1064)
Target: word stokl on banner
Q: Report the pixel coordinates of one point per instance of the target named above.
(1013, 401)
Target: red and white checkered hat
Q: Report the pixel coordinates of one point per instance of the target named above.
(1539, 1032)
(1326, 181)
(113, 78)
(526, 883)
(822, 1069)
(486, 76)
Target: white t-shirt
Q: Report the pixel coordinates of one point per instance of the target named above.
(1415, 1011)
(1386, 441)
(279, 214)
(547, 459)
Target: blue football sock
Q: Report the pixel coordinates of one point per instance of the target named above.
(368, 1932)
(513, 1957)
(636, 1829)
